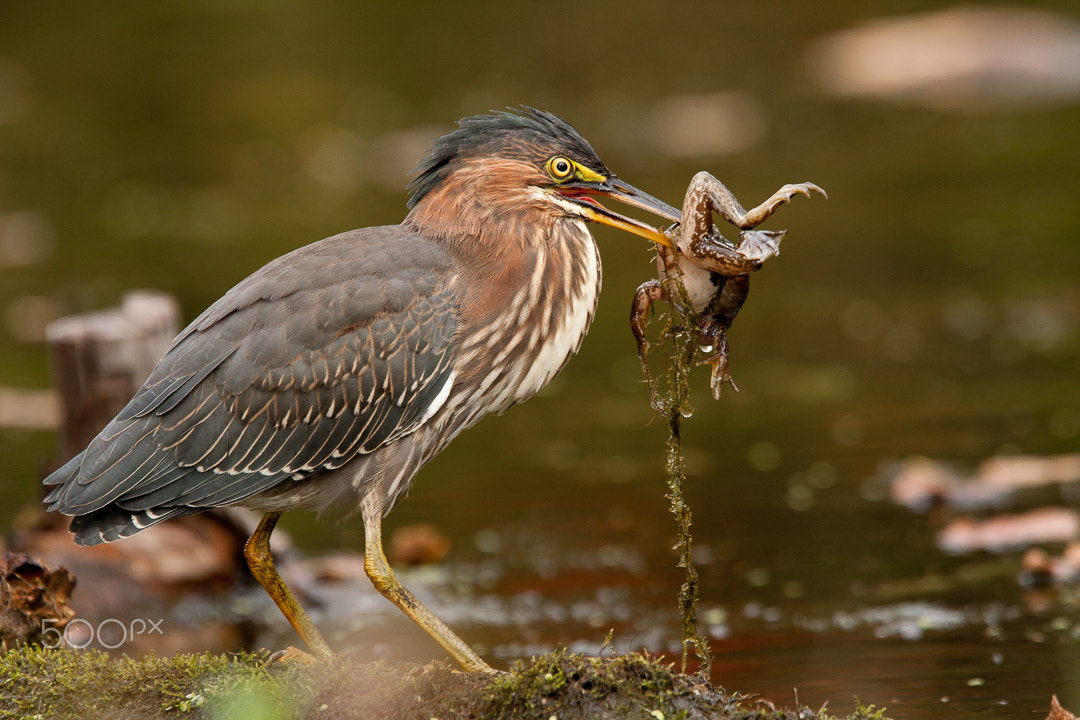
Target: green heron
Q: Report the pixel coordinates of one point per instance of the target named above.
(331, 375)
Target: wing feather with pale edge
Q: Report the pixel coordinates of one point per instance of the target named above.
(331, 351)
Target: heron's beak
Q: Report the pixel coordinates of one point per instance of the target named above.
(583, 192)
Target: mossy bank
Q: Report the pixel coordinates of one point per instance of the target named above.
(87, 685)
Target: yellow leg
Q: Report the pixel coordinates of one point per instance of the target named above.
(382, 577)
(261, 562)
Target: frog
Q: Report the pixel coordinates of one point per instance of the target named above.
(715, 271)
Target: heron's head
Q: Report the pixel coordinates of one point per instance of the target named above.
(527, 164)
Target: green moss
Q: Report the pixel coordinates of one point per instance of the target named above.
(567, 686)
(81, 684)
(87, 685)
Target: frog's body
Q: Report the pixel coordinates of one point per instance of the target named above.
(715, 271)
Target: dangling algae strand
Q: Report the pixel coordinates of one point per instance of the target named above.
(718, 271)
(679, 339)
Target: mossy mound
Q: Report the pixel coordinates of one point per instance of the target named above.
(86, 685)
(564, 686)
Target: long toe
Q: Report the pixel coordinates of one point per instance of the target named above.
(292, 655)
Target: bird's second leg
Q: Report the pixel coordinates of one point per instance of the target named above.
(261, 562)
(382, 577)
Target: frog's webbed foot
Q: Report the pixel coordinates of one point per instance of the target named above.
(760, 245)
(646, 294)
(713, 340)
(758, 215)
(720, 374)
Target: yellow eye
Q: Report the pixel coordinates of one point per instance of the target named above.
(560, 168)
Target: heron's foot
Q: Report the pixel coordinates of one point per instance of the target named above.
(292, 655)
(483, 669)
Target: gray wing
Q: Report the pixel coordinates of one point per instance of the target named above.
(326, 353)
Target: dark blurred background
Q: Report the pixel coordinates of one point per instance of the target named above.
(929, 307)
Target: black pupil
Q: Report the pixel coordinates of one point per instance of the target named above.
(562, 167)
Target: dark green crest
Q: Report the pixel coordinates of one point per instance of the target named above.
(526, 134)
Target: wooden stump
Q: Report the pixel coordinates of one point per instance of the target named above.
(100, 359)
(34, 599)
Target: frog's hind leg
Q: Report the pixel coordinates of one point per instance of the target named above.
(712, 340)
(706, 193)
